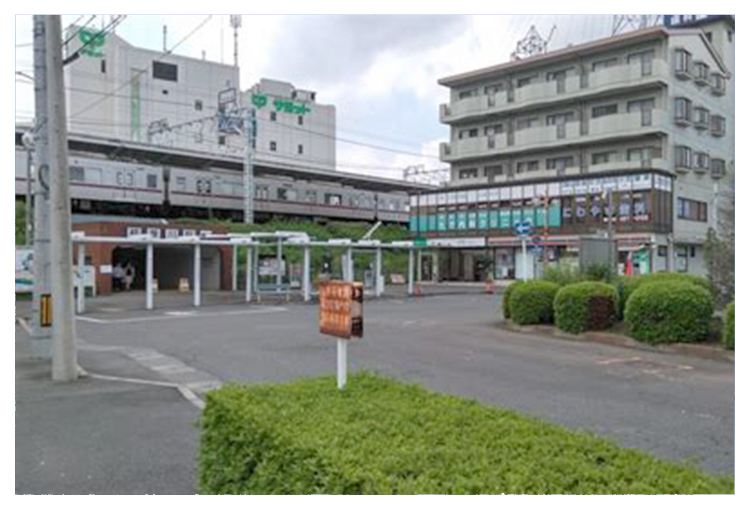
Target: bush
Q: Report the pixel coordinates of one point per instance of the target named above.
(532, 302)
(729, 327)
(384, 437)
(506, 297)
(598, 273)
(631, 282)
(563, 275)
(586, 306)
(669, 311)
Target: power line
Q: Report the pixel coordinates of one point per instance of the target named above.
(144, 70)
(79, 29)
(99, 37)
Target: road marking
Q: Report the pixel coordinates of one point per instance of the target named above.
(194, 315)
(24, 324)
(609, 361)
(186, 392)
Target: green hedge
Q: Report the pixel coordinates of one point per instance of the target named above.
(729, 327)
(629, 283)
(506, 297)
(586, 306)
(669, 311)
(532, 302)
(384, 437)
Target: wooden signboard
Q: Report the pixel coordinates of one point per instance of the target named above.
(341, 308)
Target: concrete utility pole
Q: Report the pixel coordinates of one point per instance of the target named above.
(251, 127)
(64, 366)
(42, 337)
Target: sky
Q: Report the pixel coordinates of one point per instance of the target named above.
(380, 71)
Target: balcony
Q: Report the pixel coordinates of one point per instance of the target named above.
(473, 147)
(641, 164)
(547, 135)
(548, 92)
(627, 124)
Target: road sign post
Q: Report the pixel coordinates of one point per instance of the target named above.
(340, 315)
(523, 229)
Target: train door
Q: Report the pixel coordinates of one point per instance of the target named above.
(125, 184)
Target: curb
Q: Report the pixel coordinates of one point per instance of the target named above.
(605, 338)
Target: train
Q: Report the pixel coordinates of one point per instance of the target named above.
(106, 186)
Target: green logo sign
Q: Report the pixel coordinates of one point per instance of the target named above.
(92, 43)
(259, 101)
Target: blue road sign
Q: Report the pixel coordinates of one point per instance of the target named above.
(523, 228)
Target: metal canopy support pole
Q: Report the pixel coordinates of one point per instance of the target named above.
(150, 276)
(279, 258)
(349, 265)
(256, 257)
(410, 278)
(197, 275)
(306, 275)
(419, 266)
(341, 363)
(234, 268)
(249, 275)
(378, 272)
(80, 305)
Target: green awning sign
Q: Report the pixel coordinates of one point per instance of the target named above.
(261, 100)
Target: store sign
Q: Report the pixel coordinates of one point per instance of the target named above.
(92, 43)
(261, 100)
(340, 312)
(458, 242)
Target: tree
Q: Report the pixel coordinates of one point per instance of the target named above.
(720, 245)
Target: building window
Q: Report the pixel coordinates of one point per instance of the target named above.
(468, 173)
(164, 71)
(273, 116)
(683, 62)
(527, 166)
(495, 129)
(198, 105)
(493, 170)
(718, 125)
(718, 168)
(701, 73)
(702, 118)
(692, 210)
(604, 64)
(494, 89)
(559, 119)
(222, 140)
(467, 93)
(528, 123)
(300, 120)
(683, 110)
(151, 181)
(77, 173)
(103, 66)
(701, 160)
(718, 84)
(601, 111)
(683, 156)
(300, 149)
(522, 82)
(559, 163)
(601, 158)
(273, 146)
(311, 197)
(640, 154)
(730, 35)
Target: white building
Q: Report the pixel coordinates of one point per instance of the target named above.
(648, 115)
(118, 90)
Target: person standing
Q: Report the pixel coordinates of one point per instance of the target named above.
(129, 276)
(118, 274)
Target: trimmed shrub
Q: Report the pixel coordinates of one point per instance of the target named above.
(563, 275)
(380, 436)
(631, 282)
(729, 327)
(586, 306)
(598, 273)
(506, 297)
(669, 311)
(532, 302)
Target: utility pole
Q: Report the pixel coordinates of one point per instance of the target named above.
(611, 234)
(251, 127)
(28, 143)
(42, 331)
(64, 366)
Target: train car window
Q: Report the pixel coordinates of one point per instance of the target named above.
(333, 199)
(94, 175)
(77, 173)
(311, 196)
(273, 146)
(261, 192)
(151, 181)
(286, 194)
(181, 183)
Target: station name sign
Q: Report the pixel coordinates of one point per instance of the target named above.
(340, 312)
(261, 100)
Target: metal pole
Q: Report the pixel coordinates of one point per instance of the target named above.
(341, 363)
(41, 343)
(419, 266)
(523, 258)
(410, 279)
(80, 305)
(378, 272)
(249, 177)
(150, 276)
(306, 274)
(349, 265)
(197, 275)
(28, 197)
(256, 257)
(279, 259)
(64, 362)
(234, 268)
(249, 275)
(611, 235)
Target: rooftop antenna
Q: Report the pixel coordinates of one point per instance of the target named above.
(165, 38)
(532, 44)
(625, 22)
(235, 21)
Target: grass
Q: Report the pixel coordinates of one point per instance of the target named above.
(385, 437)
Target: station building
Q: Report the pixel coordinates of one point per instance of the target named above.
(644, 119)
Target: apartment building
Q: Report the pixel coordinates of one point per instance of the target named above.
(637, 129)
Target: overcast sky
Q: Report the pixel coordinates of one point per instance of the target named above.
(380, 71)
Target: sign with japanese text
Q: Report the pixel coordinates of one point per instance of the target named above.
(260, 101)
(341, 309)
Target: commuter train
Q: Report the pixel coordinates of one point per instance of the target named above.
(104, 186)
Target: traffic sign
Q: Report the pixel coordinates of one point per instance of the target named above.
(523, 228)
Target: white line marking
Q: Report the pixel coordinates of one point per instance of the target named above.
(186, 392)
(618, 360)
(274, 309)
(24, 324)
